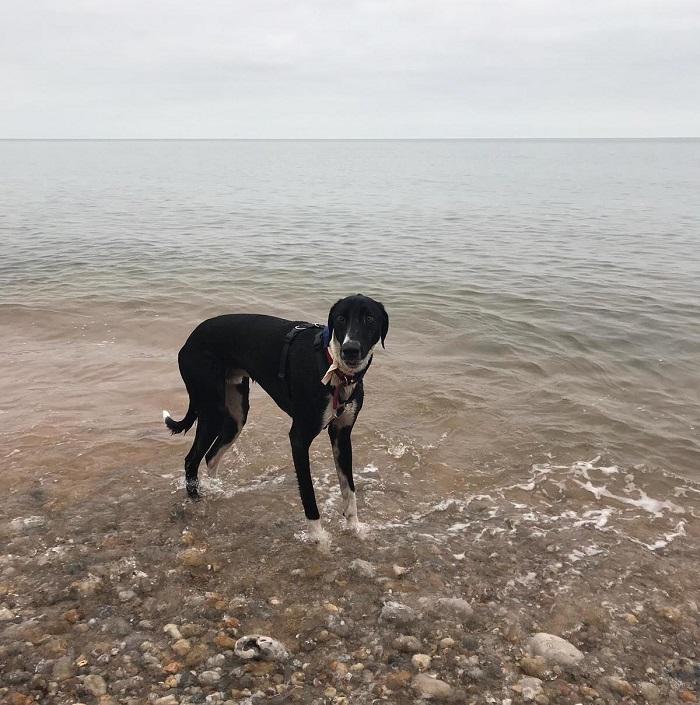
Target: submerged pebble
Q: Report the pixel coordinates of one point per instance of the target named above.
(407, 643)
(256, 646)
(421, 661)
(364, 569)
(397, 613)
(428, 687)
(554, 649)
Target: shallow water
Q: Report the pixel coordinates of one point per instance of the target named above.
(543, 297)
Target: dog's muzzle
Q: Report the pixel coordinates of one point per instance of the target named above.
(351, 352)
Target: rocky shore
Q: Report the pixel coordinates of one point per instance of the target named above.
(140, 597)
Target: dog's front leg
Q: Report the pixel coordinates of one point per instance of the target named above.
(300, 453)
(342, 454)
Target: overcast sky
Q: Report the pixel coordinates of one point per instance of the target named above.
(327, 68)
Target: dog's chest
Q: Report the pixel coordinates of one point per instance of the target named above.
(348, 410)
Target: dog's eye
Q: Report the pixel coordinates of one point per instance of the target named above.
(369, 319)
(340, 319)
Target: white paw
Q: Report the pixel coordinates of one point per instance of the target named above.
(358, 528)
(318, 535)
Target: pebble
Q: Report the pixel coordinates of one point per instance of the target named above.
(447, 643)
(197, 655)
(456, 606)
(173, 667)
(181, 647)
(62, 669)
(256, 646)
(88, 586)
(421, 661)
(534, 666)
(72, 616)
(397, 613)
(688, 696)
(225, 642)
(650, 692)
(554, 649)
(619, 685)
(173, 681)
(406, 643)
(672, 614)
(528, 687)
(209, 677)
(398, 680)
(428, 687)
(216, 661)
(362, 568)
(19, 699)
(190, 629)
(172, 631)
(339, 668)
(5, 615)
(96, 685)
(194, 558)
(167, 700)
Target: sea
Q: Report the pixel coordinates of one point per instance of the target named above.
(544, 303)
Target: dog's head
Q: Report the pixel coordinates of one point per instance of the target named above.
(355, 325)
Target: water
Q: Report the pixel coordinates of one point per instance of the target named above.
(529, 440)
(543, 297)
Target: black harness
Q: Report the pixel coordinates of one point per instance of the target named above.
(324, 359)
(289, 338)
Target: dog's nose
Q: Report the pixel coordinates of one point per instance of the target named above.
(350, 350)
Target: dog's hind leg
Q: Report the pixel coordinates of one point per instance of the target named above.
(237, 406)
(208, 427)
(342, 455)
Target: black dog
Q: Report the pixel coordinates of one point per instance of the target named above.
(313, 373)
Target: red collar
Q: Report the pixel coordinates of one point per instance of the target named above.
(345, 381)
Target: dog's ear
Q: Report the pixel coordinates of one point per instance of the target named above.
(385, 322)
(331, 315)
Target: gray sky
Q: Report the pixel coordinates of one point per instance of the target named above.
(327, 68)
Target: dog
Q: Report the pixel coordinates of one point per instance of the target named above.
(313, 373)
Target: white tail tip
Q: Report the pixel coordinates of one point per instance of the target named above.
(166, 414)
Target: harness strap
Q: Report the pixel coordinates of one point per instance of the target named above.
(288, 339)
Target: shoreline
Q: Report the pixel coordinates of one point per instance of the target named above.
(88, 586)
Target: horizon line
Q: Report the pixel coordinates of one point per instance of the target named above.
(345, 139)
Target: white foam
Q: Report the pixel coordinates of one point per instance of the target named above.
(398, 450)
(667, 538)
(644, 502)
(597, 518)
(458, 527)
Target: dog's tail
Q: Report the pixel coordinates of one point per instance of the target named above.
(180, 426)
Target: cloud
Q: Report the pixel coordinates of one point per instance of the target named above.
(317, 68)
